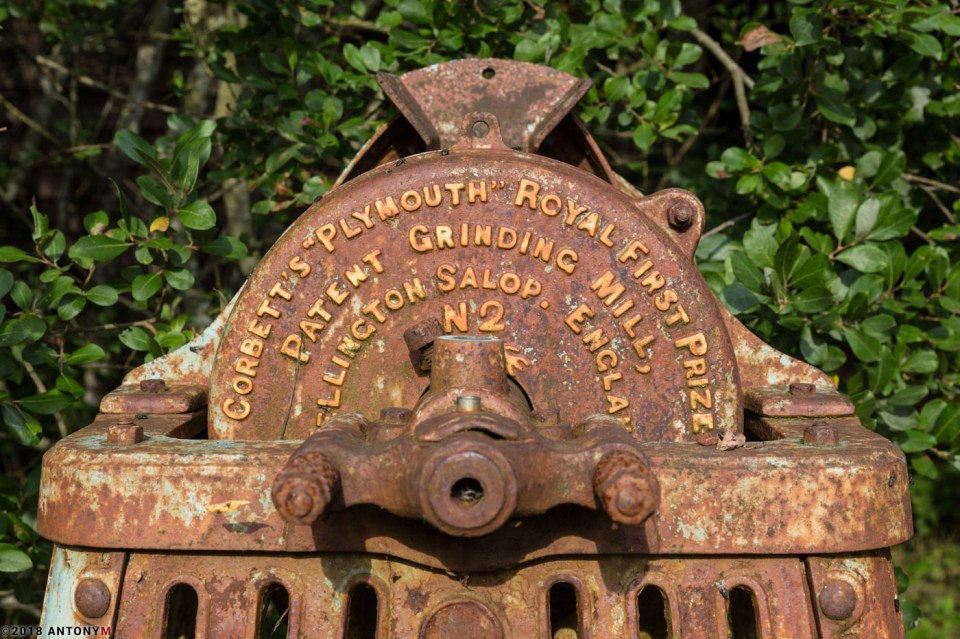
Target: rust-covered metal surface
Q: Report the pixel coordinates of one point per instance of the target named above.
(478, 390)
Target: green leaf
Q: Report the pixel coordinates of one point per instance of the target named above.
(6, 281)
(103, 295)
(924, 362)
(746, 272)
(153, 191)
(134, 147)
(180, 279)
(924, 466)
(55, 292)
(198, 215)
(814, 300)
(46, 403)
(917, 441)
(70, 386)
(22, 295)
(866, 218)
(806, 27)
(11, 254)
(778, 173)
(737, 159)
(12, 559)
(924, 44)
(98, 248)
(28, 328)
(87, 353)
(229, 247)
(841, 204)
(866, 347)
(136, 338)
(147, 285)
(891, 167)
(71, 306)
(866, 258)
(24, 427)
(835, 107)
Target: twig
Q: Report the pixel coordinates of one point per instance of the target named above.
(26, 119)
(537, 9)
(725, 225)
(919, 179)
(729, 63)
(741, 81)
(940, 205)
(61, 425)
(90, 82)
(10, 602)
(363, 25)
(147, 323)
(689, 142)
(923, 236)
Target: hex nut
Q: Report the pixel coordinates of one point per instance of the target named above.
(92, 598)
(680, 215)
(153, 385)
(821, 434)
(125, 433)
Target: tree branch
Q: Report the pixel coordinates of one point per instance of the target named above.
(94, 84)
(741, 81)
(725, 225)
(919, 179)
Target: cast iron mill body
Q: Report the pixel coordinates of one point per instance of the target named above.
(479, 389)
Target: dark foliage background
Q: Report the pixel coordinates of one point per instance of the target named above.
(151, 151)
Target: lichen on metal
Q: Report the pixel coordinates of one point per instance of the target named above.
(479, 389)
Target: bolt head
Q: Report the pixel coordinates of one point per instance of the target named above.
(680, 215)
(125, 433)
(821, 434)
(153, 385)
(838, 599)
(394, 414)
(92, 598)
(802, 388)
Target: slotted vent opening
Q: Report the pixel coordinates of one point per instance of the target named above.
(362, 610)
(273, 612)
(653, 614)
(180, 612)
(742, 614)
(564, 609)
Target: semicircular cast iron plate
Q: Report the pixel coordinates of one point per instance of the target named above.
(599, 310)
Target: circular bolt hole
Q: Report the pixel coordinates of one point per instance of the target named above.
(480, 129)
(488, 73)
(467, 491)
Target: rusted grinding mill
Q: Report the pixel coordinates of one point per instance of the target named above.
(478, 390)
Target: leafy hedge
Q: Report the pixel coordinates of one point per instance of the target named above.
(822, 138)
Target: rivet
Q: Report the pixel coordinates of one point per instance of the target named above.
(838, 599)
(92, 598)
(480, 129)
